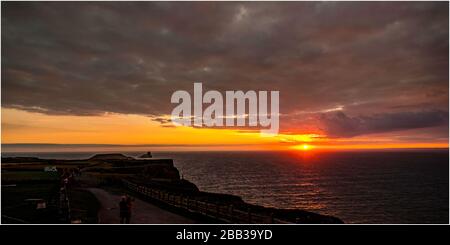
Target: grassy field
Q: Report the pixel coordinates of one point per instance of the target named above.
(27, 176)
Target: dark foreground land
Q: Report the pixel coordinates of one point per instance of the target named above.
(89, 190)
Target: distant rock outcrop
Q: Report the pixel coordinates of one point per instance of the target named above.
(113, 156)
(146, 155)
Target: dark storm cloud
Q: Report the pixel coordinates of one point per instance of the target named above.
(340, 125)
(89, 58)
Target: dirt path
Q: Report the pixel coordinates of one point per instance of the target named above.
(142, 212)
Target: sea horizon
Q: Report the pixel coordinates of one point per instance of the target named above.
(57, 147)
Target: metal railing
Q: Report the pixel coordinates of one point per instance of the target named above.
(223, 212)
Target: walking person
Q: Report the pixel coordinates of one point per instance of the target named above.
(129, 202)
(123, 209)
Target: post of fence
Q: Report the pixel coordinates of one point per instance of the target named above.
(230, 211)
(217, 210)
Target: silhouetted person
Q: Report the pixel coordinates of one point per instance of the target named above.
(123, 207)
(129, 206)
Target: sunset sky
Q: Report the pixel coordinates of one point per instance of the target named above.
(351, 75)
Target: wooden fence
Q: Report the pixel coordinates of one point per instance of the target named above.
(225, 213)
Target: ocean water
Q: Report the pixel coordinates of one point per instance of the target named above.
(357, 187)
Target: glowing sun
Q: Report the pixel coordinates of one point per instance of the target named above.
(306, 147)
(303, 147)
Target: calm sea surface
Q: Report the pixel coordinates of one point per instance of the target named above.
(358, 187)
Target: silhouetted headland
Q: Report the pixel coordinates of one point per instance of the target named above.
(158, 181)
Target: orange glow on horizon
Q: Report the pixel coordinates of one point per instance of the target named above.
(20, 126)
